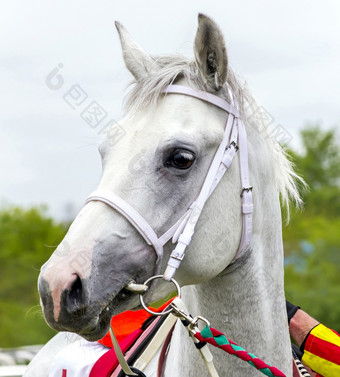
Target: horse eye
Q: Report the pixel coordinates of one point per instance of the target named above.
(180, 159)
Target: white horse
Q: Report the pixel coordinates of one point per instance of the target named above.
(158, 168)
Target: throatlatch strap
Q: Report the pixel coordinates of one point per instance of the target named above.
(246, 193)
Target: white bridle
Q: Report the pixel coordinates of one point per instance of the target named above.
(182, 231)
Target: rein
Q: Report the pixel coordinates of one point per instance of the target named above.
(210, 335)
(201, 338)
(182, 231)
(219, 340)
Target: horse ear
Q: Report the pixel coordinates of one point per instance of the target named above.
(137, 61)
(210, 52)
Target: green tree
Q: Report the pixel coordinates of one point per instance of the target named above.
(312, 239)
(27, 238)
(319, 164)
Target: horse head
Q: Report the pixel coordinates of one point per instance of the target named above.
(158, 169)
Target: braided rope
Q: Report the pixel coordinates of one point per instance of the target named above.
(218, 339)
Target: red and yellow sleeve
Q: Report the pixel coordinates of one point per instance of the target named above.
(322, 351)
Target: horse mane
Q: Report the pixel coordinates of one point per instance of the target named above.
(168, 69)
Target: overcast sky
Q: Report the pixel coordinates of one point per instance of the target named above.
(288, 51)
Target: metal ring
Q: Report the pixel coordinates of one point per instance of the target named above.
(166, 312)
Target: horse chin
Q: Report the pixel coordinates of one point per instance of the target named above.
(99, 327)
(95, 332)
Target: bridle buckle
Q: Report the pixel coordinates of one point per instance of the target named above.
(247, 189)
(234, 144)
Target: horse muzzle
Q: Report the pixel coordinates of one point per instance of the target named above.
(64, 299)
(73, 311)
(84, 305)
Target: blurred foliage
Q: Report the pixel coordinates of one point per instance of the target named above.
(27, 238)
(312, 239)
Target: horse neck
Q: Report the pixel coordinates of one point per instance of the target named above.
(247, 303)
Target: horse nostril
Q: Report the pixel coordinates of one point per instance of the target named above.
(75, 294)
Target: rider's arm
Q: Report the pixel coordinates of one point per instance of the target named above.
(319, 344)
(300, 326)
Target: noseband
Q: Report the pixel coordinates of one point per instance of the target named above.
(181, 232)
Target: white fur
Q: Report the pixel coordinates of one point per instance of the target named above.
(245, 300)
